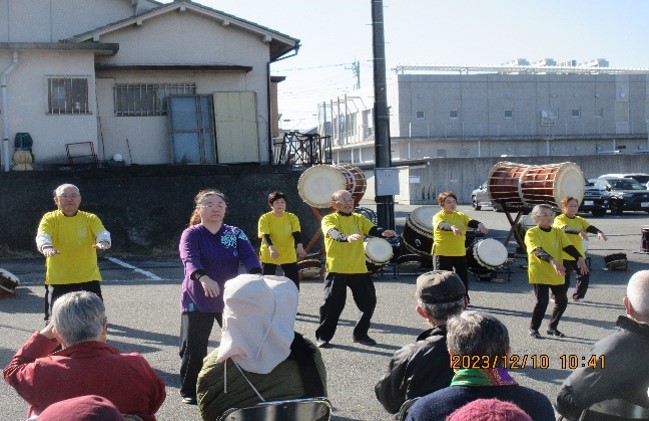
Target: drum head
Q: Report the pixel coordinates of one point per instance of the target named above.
(490, 252)
(8, 281)
(422, 217)
(378, 250)
(410, 262)
(569, 182)
(309, 268)
(316, 185)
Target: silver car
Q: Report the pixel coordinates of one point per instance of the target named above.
(480, 198)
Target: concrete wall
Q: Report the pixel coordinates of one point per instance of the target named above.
(146, 208)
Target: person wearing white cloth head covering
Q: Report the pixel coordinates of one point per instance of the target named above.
(260, 357)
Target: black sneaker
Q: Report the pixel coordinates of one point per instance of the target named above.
(365, 341)
(321, 343)
(555, 332)
(535, 334)
(189, 400)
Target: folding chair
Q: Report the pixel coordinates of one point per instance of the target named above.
(405, 407)
(309, 409)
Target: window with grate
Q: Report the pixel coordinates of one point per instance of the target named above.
(67, 95)
(138, 99)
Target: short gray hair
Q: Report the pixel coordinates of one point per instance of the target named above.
(442, 311)
(78, 316)
(59, 190)
(536, 211)
(637, 292)
(475, 333)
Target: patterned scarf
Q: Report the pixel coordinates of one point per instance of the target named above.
(482, 377)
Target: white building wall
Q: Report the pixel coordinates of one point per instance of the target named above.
(168, 40)
(27, 99)
(51, 20)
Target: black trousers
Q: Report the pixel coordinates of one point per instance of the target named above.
(458, 263)
(290, 271)
(335, 295)
(52, 292)
(582, 280)
(195, 329)
(542, 293)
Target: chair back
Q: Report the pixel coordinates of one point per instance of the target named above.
(614, 409)
(405, 407)
(308, 409)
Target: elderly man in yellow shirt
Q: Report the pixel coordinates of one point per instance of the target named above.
(69, 240)
(344, 233)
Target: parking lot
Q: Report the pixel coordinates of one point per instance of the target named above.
(142, 294)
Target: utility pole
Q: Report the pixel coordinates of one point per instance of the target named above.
(382, 153)
(356, 71)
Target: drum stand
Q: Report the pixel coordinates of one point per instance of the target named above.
(314, 240)
(515, 230)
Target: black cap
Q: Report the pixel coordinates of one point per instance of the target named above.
(440, 286)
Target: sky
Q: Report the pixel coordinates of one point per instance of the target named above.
(336, 33)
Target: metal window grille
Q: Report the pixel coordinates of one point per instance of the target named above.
(137, 99)
(68, 95)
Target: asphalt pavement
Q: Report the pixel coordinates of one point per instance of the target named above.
(142, 294)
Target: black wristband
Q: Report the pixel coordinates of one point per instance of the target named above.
(196, 275)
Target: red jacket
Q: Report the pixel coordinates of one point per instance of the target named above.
(87, 368)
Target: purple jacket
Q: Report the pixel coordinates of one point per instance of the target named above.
(218, 255)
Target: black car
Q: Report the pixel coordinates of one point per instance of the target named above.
(625, 194)
(595, 200)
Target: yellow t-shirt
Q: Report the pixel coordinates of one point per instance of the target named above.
(73, 237)
(576, 223)
(345, 257)
(552, 242)
(446, 243)
(280, 229)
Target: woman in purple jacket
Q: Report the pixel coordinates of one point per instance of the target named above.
(211, 252)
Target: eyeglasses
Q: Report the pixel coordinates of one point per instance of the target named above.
(219, 206)
(69, 196)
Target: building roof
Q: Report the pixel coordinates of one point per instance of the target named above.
(279, 43)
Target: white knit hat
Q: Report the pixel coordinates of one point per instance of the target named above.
(258, 321)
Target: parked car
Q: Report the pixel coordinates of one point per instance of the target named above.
(640, 177)
(625, 194)
(595, 200)
(480, 197)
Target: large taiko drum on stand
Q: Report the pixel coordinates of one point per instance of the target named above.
(316, 184)
(8, 284)
(486, 256)
(520, 185)
(551, 183)
(418, 231)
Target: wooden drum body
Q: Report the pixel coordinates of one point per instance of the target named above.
(503, 183)
(551, 183)
(418, 231)
(644, 240)
(316, 184)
